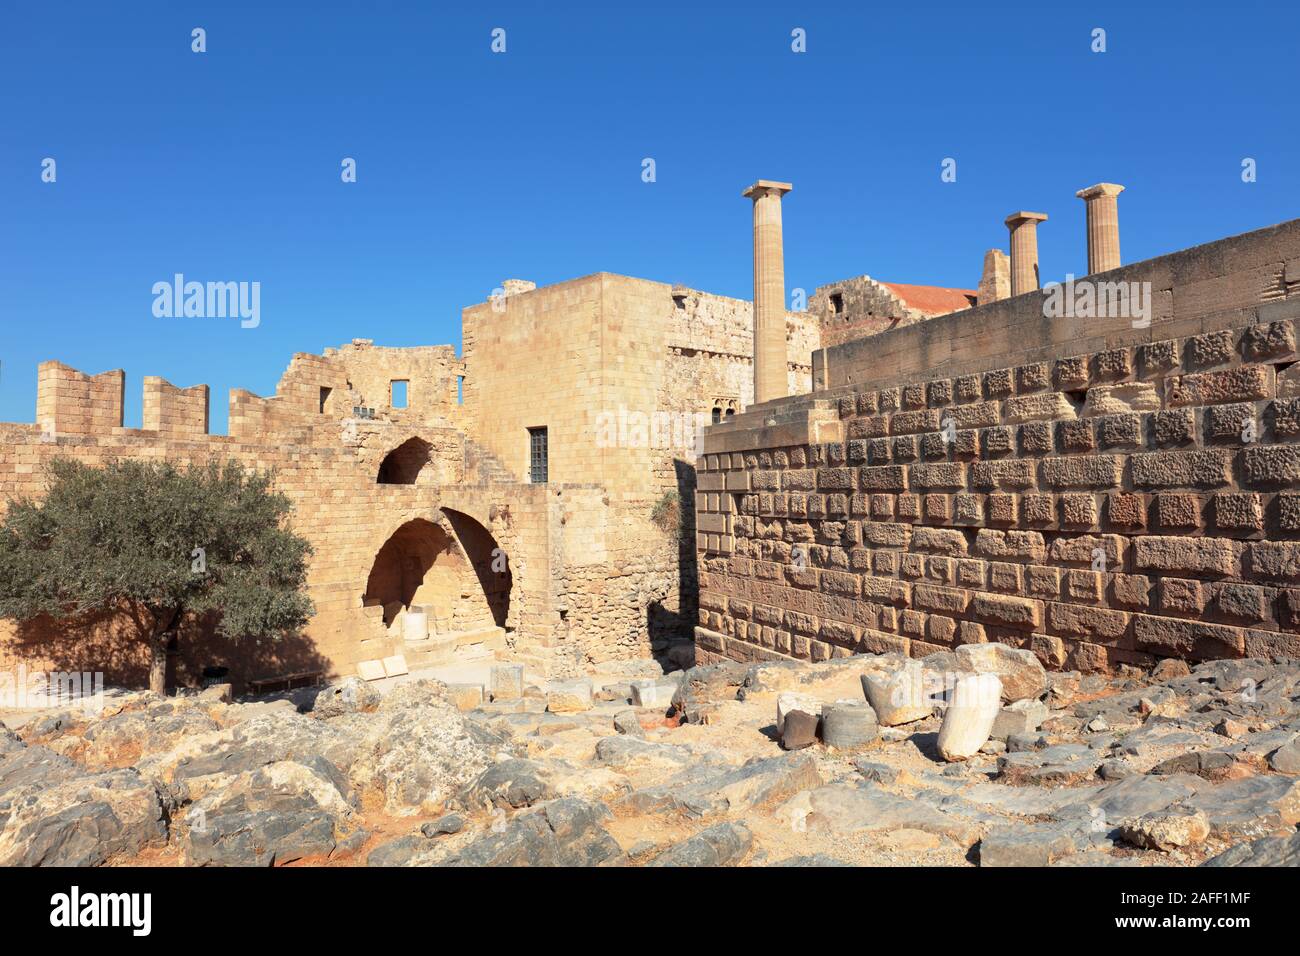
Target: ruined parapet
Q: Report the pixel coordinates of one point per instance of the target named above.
(995, 281)
(855, 308)
(517, 286)
(175, 412)
(70, 402)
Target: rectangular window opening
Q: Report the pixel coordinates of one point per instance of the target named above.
(398, 399)
(324, 397)
(538, 466)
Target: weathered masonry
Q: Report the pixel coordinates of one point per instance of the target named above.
(1099, 489)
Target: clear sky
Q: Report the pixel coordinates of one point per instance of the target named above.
(474, 166)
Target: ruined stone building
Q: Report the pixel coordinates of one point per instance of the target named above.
(899, 466)
(1104, 472)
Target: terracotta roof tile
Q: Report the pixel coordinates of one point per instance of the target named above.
(932, 299)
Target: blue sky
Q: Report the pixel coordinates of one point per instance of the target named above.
(474, 167)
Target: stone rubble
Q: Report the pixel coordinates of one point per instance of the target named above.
(1062, 770)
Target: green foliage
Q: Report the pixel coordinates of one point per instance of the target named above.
(124, 537)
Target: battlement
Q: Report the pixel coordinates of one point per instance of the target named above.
(74, 403)
(176, 412)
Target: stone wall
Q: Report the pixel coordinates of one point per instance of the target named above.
(326, 433)
(1098, 491)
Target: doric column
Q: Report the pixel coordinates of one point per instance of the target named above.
(1103, 225)
(771, 379)
(1024, 250)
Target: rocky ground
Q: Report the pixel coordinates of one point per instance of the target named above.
(1176, 768)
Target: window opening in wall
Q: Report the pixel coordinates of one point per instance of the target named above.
(837, 303)
(398, 393)
(538, 465)
(460, 389)
(717, 415)
(324, 397)
(730, 412)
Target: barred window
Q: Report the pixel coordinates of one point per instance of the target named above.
(537, 455)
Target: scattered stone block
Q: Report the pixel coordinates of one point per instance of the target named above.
(569, 697)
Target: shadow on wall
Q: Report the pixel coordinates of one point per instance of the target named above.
(109, 644)
(667, 627)
(402, 465)
(490, 562)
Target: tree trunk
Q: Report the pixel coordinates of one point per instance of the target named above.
(164, 623)
(158, 664)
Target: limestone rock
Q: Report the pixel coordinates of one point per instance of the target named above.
(352, 695)
(1021, 673)
(898, 696)
(1167, 829)
(848, 725)
(968, 719)
(569, 697)
(719, 845)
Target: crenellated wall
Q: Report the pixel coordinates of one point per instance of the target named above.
(1100, 493)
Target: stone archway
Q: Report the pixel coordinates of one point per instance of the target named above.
(402, 465)
(491, 563)
(449, 567)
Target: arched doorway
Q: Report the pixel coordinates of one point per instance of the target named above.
(450, 568)
(402, 465)
(490, 562)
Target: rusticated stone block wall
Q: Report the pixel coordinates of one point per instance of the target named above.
(1101, 508)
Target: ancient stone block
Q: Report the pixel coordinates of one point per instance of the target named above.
(1178, 510)
(938, 508)
(1075, 436)
(1032, 378)
(904, 449)
(1036, 438)
(1042, 406)
(1212, 348)
(997, 384)
(1119, 431)
(1179, 596)
(1158, 357)
(1078, 510)
(1038, 509)
(939, 541)
(1010, 545)
(1071, 372)
(909, 423)
(1001, 509)
(1120, 399)
(1229, 423)
(1173, 428)
(1009, 611)
(1173, 555)
(1187, 469)
(1276, 561)
(948, 475)
(1284, 418)
(1112, 365)
(1247, 384)
(1097, 624)
(1194, 639)
(997, 441)
(1271, 465)
(883, 478)
(1126, 510)
(1090, 471)
(1265, 341)
(1240, 511)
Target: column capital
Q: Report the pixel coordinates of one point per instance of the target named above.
(765, 186)
(1101, 189)
(1016, 218)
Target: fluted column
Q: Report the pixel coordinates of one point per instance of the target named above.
(771, 379)
(1103, 225)
(1024, 250)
